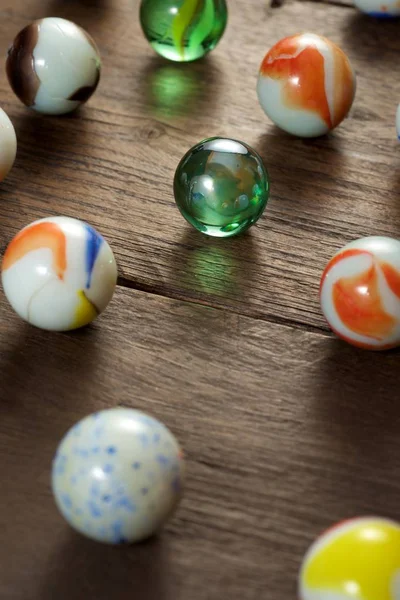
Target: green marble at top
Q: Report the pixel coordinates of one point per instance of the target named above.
(221, 187)
(183, 30)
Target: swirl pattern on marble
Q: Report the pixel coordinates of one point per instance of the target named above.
(306, 85)
(118, 476)
(356, 560)
(183, 30)
(53, 66)
(360, 293)
(59, 273)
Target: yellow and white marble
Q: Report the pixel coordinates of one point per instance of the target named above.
(356, 560)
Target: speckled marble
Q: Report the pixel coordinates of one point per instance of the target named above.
(118, 475)
(380, 9)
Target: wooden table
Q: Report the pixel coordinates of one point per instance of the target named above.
(285, 428)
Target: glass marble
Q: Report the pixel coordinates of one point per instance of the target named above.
(118, 476)
(58, 273)
(306, 85)
(358, 559)
(183, 30)
(221, 187)
(360, 293)
(53, 66)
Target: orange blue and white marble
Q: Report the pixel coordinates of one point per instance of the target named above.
(118, 476)
(355, 560)
(381, 9)
(8, 145)
(360, 293)
(398, 121)
(53, 66)
(59, 273)
(306, 85)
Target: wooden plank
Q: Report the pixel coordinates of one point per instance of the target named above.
(113, 163)
(285, 431)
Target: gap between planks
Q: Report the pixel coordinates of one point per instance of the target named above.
(342, 4)
(210, 302)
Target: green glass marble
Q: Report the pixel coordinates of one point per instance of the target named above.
(221, 187)
(183, 30)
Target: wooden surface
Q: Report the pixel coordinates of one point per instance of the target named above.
(285, 428)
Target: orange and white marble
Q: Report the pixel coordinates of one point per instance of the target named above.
(360, 293)
(306, 85)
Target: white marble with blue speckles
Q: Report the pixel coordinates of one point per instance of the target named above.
(118, 476)
(385, 9)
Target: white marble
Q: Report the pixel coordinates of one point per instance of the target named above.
(65, 61)
(59, 273)
(379, 8)
(306, 85)
(357, 283)
(53, 66)
(118, 476)
(8, 145)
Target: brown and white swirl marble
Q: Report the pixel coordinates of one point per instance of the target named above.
(53, 66)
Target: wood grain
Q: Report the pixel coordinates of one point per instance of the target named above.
(285, 431)
(113, 163)
(285, 428)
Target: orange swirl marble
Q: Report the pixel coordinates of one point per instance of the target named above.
(314, 75)
(360, 293)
